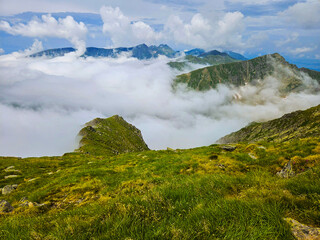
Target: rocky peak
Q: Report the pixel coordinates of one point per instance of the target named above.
(110, 136)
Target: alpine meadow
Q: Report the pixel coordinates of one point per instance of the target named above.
(159, 119)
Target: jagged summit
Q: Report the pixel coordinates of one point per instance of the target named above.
(110, 136)
(141, 51)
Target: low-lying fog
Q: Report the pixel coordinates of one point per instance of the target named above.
(45, 102)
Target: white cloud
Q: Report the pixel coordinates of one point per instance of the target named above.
(254, 2)
(200, 32)
(48, 26)
(303, 14)
(10, 7)
(123, 31)
(300, 50)
(293, 37)
(1, 51)
(46, 101)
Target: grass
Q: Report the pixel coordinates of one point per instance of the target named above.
(200, 193)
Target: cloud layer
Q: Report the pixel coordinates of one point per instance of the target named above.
(199, 32)
(45, 102)
(66, 28)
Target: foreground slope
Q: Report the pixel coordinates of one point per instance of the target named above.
(248, 72)
(295, 125)
(213, 192)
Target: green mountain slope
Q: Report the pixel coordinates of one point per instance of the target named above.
(295, 125)
(244, 72)
(110, 136)
(205, 60)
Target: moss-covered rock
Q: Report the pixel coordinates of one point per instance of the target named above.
(110, 136)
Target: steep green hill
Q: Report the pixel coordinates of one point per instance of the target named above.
(295, 125)
(245, 72)
(110, 136)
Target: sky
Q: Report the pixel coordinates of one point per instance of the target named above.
(252, 28)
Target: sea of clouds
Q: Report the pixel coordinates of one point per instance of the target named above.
(45, 102)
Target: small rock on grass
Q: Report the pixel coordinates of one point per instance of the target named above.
(303, 232)
(5, 207)
(11, 176)
(9, 188)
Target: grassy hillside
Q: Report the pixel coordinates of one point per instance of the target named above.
(205, 192)
(212, 192)
(300, 124)
(244, 72)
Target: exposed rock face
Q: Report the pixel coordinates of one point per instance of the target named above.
(287, 171)
(5, 207)
(303, 232)
(110, 136)
(228, 148)
(244, 72)
(299, 124)
(9, 188)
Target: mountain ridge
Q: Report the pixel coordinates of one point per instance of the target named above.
(244, 72)
(294, 125)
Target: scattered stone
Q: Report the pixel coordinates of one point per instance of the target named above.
(287, 171)
(252, 156)
(213, 157)
(11, 176)
(24, 202)
(220, 166)
(39, 204)
(5, 207)
(50, 173)
(32, 179)
(228, 148)
(303, 232)
(11, 167)
(9, 188)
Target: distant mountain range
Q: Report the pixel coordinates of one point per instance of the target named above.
(250, 72)
(143, 51)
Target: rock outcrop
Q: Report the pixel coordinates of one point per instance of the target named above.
(110, 136)
(303, 232)
(9, 188)
(5, 207)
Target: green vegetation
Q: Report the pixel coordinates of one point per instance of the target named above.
(204, 192)
(212, 192)
(110, 136)
(206, 60)
(300, 124)
(244, 72)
